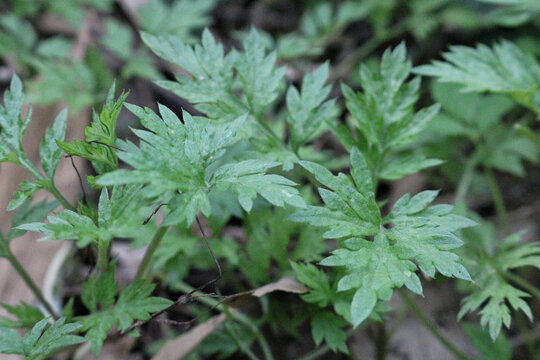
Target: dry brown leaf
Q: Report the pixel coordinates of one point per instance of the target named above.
(289, 285)
(183, 345)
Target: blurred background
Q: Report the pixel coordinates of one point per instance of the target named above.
(69, 52)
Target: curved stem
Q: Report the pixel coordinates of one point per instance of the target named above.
(466, 179)
(56, 193)
(156, 240)
(518, 280)
(31, 284)
(237, 315)
(498, 199)
(416, 310)
(103, 257)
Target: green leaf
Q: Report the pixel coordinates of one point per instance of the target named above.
(489, 262)
(100, 136)
(10, 342)
(28, 213)
(307, 110)
(26, 190)
(412, 236)
(321, 292)
(49, 151)
(503, 68)
(257, 75)
(42, 341)
(329, 327)
(12, 124)
(348, 212)
(210, 86)
(134, 303)
(248, 178)
(100, 291)
(426, 234)
(500, 349)
(180, 163)
(117, 217)
(374, 269)
(384, 116)
(180, 17)
(26, 316)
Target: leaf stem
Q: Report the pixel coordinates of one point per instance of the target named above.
(498, 199)
(31, 284)
(518, 280)
(156, 240)
(245, 349)
(416, 310)
(237, 315)
(56, 193)
(466, 178)
(103, 257)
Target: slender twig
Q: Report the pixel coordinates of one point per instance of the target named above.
(79, 177)
(237, 315)
(147, 220)
(216, 262)
(31, 284)
(423, 318)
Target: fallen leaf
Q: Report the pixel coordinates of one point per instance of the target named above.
(289, 285)
(183, 345)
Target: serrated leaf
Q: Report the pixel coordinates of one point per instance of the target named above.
(10, 342)
(100, 291)
(49, 151)
(12, 124)
(41, 341)
(307, 110)
(179, 17)
(26, 316)
(494, 295)
(116, 217)
(385, 119)
(321, 292)
(373, 270)
(257, 75)
(248, 178)
(348, 212)
(503, 68)
(100, 136)
(329, 327)
(134, 303)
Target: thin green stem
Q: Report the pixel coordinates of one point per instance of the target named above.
(429, 325)
(518, 280)
(498, 199)
(245, 349)
(56, 193)
(237, 315)
(103, 257)
(31, 284)
(466, 178)
(156, 240)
